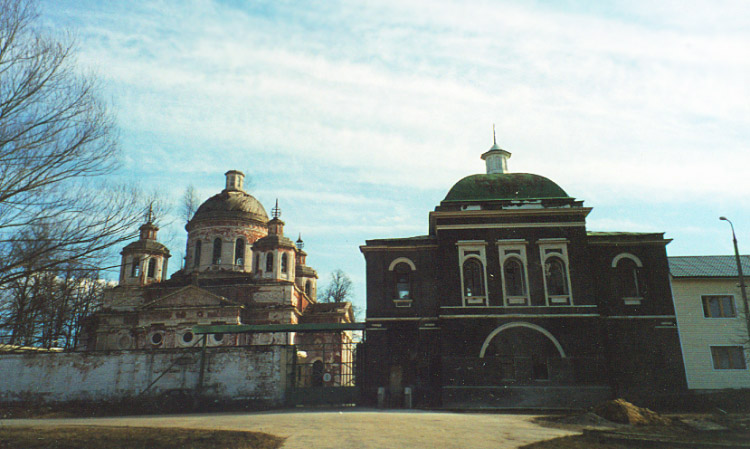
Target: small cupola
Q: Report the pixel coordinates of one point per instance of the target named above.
(235, 179)
(496, 158)
(276, 226)
(149, 229)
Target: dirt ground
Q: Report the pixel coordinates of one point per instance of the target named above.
(347, 428)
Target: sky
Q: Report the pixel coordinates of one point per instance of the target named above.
(360, 116)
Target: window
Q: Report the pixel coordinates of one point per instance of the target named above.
(197, 260)
(269, 262)
(135, 271)
(257, 262)
(718, 306)
(187, 337)
(513, 262)
(473, 277)
(472, 263)
(157, 338)
(402, 278)
(555, 264)
(556, 276)
(728, 357)
(629, 281)
(308, 288)
(284, 262)
(152, 268)
(216, 259)
(515, 282)
(239, 252)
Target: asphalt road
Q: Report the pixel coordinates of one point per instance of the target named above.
(350, 429)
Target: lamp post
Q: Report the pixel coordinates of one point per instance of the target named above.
(739, 273)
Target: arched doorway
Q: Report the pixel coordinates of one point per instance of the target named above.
(522, 352)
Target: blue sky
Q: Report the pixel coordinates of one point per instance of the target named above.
(360, 116)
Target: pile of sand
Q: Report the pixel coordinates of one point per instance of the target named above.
(623, 412)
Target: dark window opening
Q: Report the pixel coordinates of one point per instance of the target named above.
(284, 262)
(269, 262)
(718, 306)
(557, 277)
(216, 259)
(515, 280)
(187, 337)
(239, 252)
(257, 262)
(197, 260)
(629, 279)
(473, 278)
(402, 274)
(152, 268)
(156, 338)
(308, 289)
(135, 271)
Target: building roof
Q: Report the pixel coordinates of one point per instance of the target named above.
(504, 186)
(707, 266)
(231, 204)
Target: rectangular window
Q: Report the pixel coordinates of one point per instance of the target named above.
(728, 357)
(718, 306)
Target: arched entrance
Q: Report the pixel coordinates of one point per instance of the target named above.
(523, 352)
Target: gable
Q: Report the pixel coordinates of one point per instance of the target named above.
(189, 296)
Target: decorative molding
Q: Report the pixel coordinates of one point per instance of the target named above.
(535, 327)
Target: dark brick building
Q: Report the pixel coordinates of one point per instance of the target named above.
(509, 301)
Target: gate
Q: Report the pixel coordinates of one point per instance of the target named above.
(324, 373)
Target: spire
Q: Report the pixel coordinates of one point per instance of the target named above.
(150, 214)
(496, 158)
(299, 242)
(276, 211)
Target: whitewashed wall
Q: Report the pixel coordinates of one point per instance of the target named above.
(231, 374)
(698, 333)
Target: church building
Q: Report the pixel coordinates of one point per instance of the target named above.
(240, 268)
(510, 302)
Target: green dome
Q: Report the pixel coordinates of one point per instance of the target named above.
(504, 186)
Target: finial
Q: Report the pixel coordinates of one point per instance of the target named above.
(276, 211)
(494, 140)
(150, 214)
(300, 243)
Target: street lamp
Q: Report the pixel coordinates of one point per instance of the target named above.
(739, 273)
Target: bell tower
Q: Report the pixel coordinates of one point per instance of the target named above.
(144, 261)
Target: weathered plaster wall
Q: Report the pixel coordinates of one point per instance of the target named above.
(255, 374)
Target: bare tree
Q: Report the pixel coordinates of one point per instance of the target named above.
(339, 288)
(190, 203)
(57, 141)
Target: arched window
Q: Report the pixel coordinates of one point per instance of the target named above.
(628, 279)
(152, 268)
(197, 260)
(239, 252)
(473, 278)
(557, 278)
(216, 260)
(136, 269)
(269, 262)
(284, 262)
(515, 279)
(308, 289)
(402, 274)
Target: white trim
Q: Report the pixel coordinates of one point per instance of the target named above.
(505, 326)
(566, 224)
(405, 260)
(524, 315)
(632, 257)
(553, 240)
(622, 317)
(416, 318)
(480, 247)
(561, 245)
(503, 246)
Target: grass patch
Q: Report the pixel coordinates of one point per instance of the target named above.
(96, 437)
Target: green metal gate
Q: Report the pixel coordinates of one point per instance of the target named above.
(323, 374)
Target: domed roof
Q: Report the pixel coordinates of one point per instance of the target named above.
(504, 186)
(231, 204)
